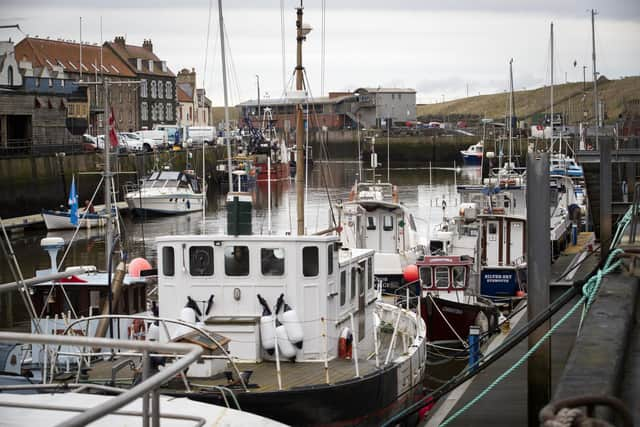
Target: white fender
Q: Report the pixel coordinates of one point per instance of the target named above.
(293, 326)
(267, 333)
(187, 315)
(153, 332)
(285, 348)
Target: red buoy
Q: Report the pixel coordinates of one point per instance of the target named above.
(137, 265)
(410, 273)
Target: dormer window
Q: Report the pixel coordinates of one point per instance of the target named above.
(151, 65)
(139, 64)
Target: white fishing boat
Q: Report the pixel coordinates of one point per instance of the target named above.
(167, 192)
(62, 220)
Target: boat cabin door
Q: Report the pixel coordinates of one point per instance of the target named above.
(515, 241)
(372, 231)
(492, 231)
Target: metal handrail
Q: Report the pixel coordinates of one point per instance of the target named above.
(161, 319)
(191, 353)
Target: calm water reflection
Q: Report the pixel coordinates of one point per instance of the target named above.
(139, 235)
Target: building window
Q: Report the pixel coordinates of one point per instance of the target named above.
(37, 81)
(143, 89)
(50, 82)
(153, 89)
(201, 260)
(144, 112)
(168, 263)
(160, 90)
(169, 113)
(272, 261)
(154, 113)
(161, 112)
(236, 261)
(169, 89)
(61, 82)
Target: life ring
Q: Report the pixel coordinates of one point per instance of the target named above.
(345, 344)
(137, 330)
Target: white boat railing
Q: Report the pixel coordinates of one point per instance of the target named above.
(147, 389)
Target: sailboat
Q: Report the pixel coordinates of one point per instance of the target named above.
(307, 329)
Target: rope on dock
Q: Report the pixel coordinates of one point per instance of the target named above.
(589, 292)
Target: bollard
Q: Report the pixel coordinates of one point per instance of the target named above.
(474, 350)
(574, 234)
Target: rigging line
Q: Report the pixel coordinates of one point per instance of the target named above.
(206, 49)
(232, 64)
(282, 38)
(323, 48)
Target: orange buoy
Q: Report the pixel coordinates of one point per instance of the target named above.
(411, 273)
(137, 265)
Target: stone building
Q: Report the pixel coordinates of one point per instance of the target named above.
(157, 92)
(194, 107)
(63, 60)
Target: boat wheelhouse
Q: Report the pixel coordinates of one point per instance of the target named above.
(373, 218)
(303, 298)
(167, 192)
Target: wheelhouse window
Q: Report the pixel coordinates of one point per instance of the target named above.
(310, 264)
(459, 274)
(343, 287)
(371, 223)
(236, 260)
(168, 261)
(201, 260)
(330, 259)
(353, 283)
(425, 276)
(370, 270)
(493, 228)
(387, 223)
(362, 277)
(272, 261)
(442, 277)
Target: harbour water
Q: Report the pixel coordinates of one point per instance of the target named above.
(138, 234)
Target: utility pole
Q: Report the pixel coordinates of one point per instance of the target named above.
(584, 78)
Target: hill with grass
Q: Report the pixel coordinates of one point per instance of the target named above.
(569, 98)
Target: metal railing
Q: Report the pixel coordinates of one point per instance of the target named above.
(149, 385)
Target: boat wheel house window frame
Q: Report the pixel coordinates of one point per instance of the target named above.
(272, 261)
(343, 288)
(310, 261)
(237, 261)
(168, 261)
(201, 261)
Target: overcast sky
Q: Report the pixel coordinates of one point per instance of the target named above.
(438, 48)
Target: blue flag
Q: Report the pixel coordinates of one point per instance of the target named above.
(73, 203)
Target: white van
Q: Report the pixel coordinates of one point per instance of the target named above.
(152, 139)
(201, 135)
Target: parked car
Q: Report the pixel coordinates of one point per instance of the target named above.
(122, 145)
(133, 142)
(89, 143)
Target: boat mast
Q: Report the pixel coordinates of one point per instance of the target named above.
(551, 122)
(300, 158)
(510, 108)
(226, 99)
(107, 179)
(595, 75)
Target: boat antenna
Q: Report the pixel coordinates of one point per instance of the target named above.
(596, 115)
(510, 108)
(226, 97)
(551, 106)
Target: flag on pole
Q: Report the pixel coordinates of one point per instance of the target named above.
(73, 203)
(113, 138)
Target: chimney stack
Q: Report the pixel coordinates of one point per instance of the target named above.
(147, 45)
(119, 40)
